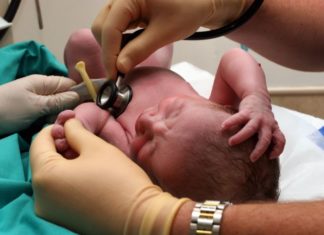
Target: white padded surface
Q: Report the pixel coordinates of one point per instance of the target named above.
(302, 162)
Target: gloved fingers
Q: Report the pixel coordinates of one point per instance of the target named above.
(64, 83)
(48, 85)
(140, 48)
(108, 28)
(53, 104)
(154, 37)
(43, 153)
(86, 143)
(96, 26)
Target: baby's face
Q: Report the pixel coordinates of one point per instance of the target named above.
(165, 134)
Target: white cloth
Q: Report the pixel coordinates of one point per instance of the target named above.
(302, 162)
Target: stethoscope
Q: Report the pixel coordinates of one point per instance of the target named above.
(116, 96)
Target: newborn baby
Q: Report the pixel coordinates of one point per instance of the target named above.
(190, 146)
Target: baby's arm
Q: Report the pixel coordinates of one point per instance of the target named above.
(240, 83)
(94, 119)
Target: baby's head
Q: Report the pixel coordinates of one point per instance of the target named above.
(181, 146)
(226, 172)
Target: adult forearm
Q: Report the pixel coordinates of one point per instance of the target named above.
(181, 223)
(299, 218)
(288, 32)
(280, 219)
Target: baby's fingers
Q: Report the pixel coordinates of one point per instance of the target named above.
(235, 120)
(245, 133)
(264, 141)
(279, 142)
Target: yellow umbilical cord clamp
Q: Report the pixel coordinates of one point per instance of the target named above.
(81, 68)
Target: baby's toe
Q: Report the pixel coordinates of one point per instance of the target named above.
(61, 145)
(58, 131)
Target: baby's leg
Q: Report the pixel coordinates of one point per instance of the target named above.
(83, 46)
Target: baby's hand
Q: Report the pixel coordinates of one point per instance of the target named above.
(255, 116)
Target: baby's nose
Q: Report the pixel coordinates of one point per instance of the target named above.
(145, 120)
(150, 122)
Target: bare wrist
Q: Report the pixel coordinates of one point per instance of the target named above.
(182, 219)
(225, 12)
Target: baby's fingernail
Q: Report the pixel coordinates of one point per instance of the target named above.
(253, 158)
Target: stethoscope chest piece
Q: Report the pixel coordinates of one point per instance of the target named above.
(114, 99)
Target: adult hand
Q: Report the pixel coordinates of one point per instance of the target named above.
(165, 21)
(26, 99)
(100, 192)
(256, 117)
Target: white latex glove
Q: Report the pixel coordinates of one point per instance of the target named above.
(165, 21)
(101, 191)
(24, 100)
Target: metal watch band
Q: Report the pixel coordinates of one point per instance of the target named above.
(206, 217)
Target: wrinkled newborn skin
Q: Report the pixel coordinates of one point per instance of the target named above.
(162, 140)
(171, 132)
(175, 136)
(150, 86)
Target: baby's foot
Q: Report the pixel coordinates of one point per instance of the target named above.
(61, 144)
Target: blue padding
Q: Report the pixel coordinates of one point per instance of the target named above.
(16, 195)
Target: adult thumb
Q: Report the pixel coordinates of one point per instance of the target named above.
(56, 103)
(141, 47)
(43, 152)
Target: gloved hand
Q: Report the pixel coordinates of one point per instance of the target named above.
(100, 192)
(26, 99)
(165, 21)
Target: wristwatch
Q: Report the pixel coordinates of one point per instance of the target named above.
(206, 217)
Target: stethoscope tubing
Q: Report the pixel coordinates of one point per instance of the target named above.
(230, 27)
(210, 34)
(108, 102)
